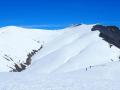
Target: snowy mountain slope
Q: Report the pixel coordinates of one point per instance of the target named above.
(75, 59)
(75, 49)
(17, 42)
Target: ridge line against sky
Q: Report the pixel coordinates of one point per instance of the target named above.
(59, 12)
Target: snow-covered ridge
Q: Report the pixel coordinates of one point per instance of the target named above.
(74, 58)
(75, 49)
(60, 47)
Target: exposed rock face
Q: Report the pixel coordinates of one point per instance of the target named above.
(111, 34)
(101, 27)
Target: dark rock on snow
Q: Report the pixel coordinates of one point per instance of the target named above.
(111, 34)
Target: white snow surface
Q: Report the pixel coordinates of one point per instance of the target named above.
(74, 58)
(17, 42)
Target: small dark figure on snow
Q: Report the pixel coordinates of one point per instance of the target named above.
(110, 45)
(90, 67)
(111, 60)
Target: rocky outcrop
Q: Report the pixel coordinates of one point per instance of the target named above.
(101, 27)
(18, 67)
(111, 34)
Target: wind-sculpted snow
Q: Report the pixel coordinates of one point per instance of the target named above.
(74, 58)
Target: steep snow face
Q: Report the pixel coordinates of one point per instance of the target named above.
(16, 42)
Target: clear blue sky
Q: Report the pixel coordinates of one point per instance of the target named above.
(45, 13)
